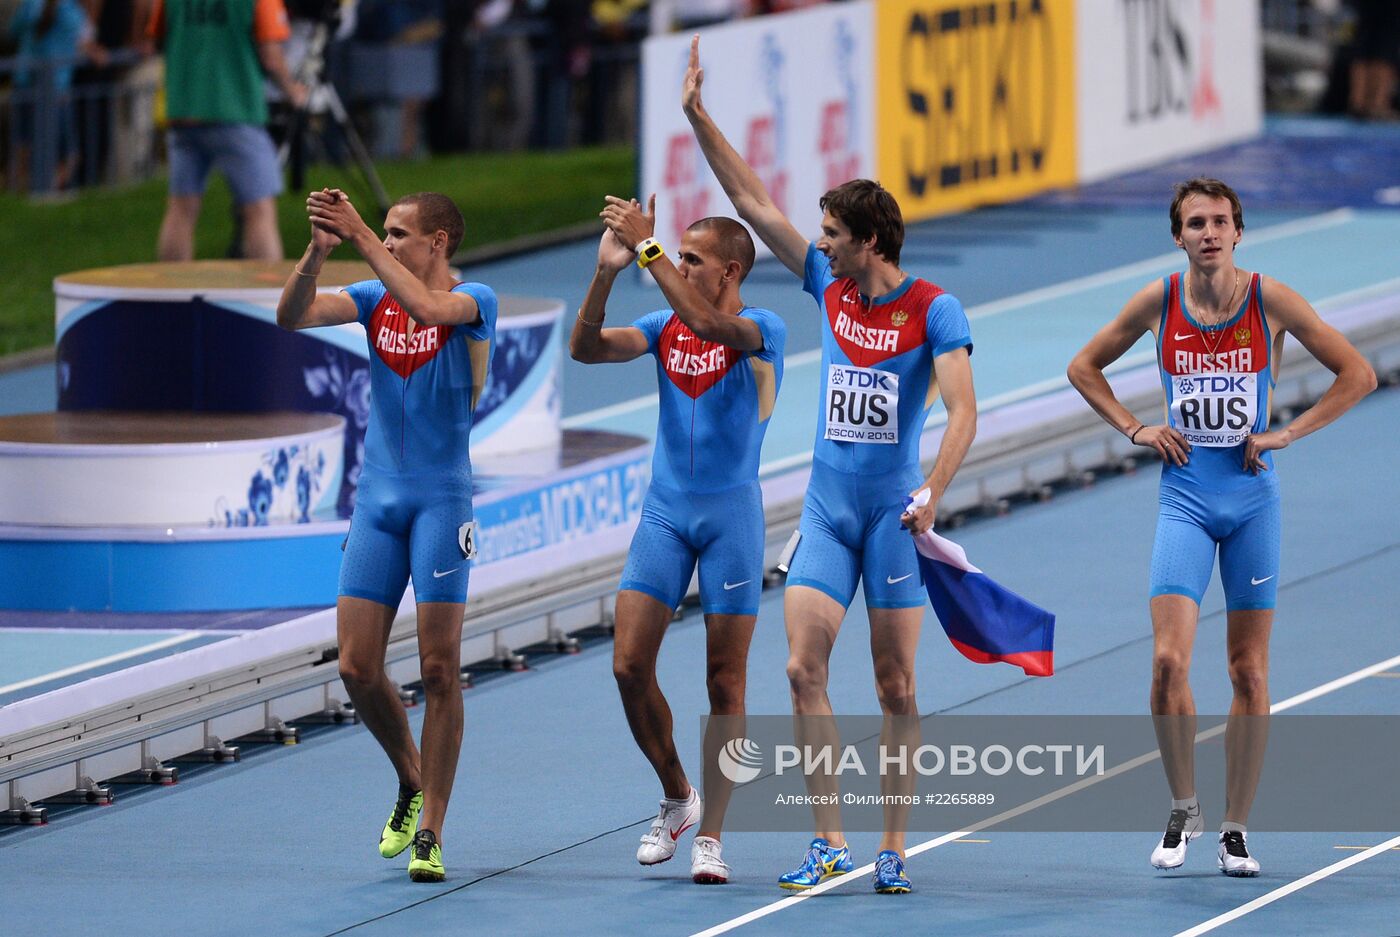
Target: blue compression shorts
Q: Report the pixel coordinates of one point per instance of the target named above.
(1243, 522)
(851, 531)
(409, 525)
(723, 530)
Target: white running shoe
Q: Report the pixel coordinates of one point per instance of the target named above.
(1182, 827)
(674, 818)
(706, 867)
(1235, 859)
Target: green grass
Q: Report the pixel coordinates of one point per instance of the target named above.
(501, 195)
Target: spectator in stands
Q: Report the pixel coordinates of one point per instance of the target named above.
(216, 54)
(51, 35)
(1374, 56)
(114, 131)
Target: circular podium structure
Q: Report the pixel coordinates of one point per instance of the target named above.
(117, 469)
(203, 337)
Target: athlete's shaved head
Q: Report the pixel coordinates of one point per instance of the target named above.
(869, 211)
(1210, 188)
(437, 212)
(731, 239)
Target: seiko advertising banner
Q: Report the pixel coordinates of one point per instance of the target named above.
(976, 101)
(1164, 78)
(793, 93)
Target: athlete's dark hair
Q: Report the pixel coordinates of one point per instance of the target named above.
(869, 211)
(1210, 188)
(732, 241)
(436, 213)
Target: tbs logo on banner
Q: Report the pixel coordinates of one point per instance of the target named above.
(1167, 77)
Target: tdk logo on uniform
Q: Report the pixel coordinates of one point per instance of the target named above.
(862, 378)
(1213, 384)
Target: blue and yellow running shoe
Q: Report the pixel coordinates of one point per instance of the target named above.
(889, 874)
(403, 823)
(821, 862)
(426, 862)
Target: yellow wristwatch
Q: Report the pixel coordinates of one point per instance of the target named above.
(649, 250)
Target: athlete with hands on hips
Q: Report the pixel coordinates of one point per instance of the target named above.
(1219, 334)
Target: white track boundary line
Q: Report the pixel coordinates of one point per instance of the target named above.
(1288, 889)
(1276, 232)
(1287, 229)
(103, 661)
(1281, 706)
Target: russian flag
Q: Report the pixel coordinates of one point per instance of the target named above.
(985, 621)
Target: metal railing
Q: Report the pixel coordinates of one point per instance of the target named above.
(1023, 448)
(98, 131)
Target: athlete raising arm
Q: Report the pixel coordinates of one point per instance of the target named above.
(891, 343)
(718, 366)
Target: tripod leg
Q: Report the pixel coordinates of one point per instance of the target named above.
(357, 148)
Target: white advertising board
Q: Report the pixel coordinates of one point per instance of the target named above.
(794, 95)
(1163, 78)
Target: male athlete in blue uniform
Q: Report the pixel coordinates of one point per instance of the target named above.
(429, 349)
(718, 367)
(890, 344)
(1219, 331)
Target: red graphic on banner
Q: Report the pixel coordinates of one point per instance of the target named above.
(834, 144)
(689, 200)
(761, 153)
(1205, 99)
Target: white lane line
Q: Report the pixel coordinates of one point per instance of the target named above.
(1292, 701)
(1276, 232)
(103, 661)
(1287, 229)
(1286, 890)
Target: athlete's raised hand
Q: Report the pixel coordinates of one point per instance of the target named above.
(627, 220)
(694, 78)
(323, 239)
(1256, 444)
(611, 254)
(1167, 442)
(331, 210)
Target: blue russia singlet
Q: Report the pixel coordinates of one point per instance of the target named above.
(1218, 380)
(878, 383)
(715, 401)
(422, 387)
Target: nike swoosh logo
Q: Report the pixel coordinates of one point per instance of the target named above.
(676, 833)
(1182, 338)
(728, 586)
(890, 581)
(1257, 582)
(438, 575)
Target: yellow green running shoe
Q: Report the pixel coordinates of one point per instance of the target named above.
(426, 864)
(403, 823)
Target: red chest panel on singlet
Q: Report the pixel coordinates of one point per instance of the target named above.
(871, 335)
(1243, 346)
(403, 353)
(692, 364)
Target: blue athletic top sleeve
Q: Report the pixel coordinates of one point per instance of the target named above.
(424, 386)
(715, 401)
(877, 366)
